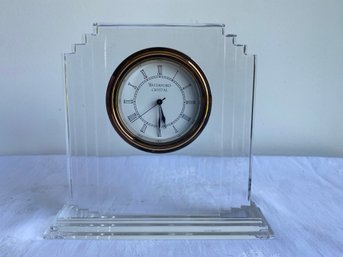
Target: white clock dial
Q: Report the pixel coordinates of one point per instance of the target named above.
(158, 100)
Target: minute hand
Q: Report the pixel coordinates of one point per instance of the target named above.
(157, 103)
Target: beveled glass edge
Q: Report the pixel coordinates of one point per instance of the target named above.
(96, 26)
(84, 41)
(219, 25)
(244, 52)
(181, 25)
(245, 222)
(242, 46)
(252, 127)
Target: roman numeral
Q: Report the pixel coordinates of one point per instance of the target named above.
(144, 74)
(185, 117)
(128, 101)
(186, 86)
(175, 129)
(132, 117)
(143, 128)
(159, 70)
(132, 85)
(190, 102)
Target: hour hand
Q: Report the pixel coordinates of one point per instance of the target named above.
(163, 118)
(159, 121)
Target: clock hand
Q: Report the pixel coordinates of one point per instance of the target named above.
(159, 134)
(163, 117)
(158, 102)
(161, 114)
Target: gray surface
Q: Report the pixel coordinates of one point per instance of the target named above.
(301, 198)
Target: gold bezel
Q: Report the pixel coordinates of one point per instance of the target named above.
(115, 82)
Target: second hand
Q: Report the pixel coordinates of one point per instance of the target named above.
(158, 102)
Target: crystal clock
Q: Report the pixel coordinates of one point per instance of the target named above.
(159, 131)
(158, 100)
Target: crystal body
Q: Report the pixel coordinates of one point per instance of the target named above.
(199, 191)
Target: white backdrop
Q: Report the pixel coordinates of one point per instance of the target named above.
(299, 47)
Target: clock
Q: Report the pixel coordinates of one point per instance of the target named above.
(159, 128)
(158, 100)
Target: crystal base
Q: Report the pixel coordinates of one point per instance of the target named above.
(246, 222)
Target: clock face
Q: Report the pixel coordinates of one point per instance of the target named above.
(158, 100)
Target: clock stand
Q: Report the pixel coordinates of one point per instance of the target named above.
(201, 190)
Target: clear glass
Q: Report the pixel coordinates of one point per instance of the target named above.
(208, 178)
